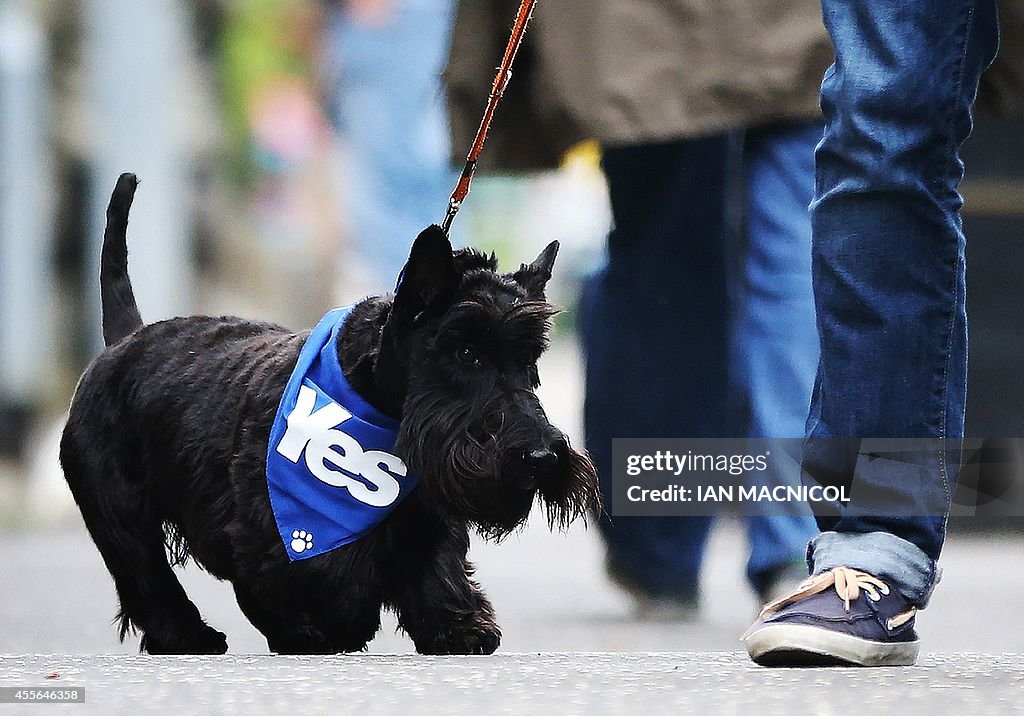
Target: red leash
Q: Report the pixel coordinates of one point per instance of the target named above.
(497, 90)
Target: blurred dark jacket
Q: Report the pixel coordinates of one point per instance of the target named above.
(642, 71)
(631, 71)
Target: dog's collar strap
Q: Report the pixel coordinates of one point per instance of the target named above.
(331, 469)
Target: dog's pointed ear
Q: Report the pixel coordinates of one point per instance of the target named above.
(428, 280)
(534, 277)
(427, 283)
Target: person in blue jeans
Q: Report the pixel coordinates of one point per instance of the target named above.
(888, 263)
(682, 336)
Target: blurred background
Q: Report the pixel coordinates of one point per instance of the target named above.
(258, 147)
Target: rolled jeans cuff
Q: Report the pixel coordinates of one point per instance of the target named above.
(880, 554)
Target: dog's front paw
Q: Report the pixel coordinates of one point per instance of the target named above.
(476, 635)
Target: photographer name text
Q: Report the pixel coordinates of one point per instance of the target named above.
(738, 493)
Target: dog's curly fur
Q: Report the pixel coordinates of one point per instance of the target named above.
(166, 442)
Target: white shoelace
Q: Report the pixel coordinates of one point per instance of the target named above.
(847, 582)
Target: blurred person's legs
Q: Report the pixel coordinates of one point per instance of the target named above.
(888, 269)
(655, 336)
(387, 98)
(659, 313)
(776, 340)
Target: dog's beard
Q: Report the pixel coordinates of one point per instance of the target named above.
(462, 470)
(467, 462)
(575, 496)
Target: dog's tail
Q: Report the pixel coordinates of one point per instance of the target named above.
(120, 312)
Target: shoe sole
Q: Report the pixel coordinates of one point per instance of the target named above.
(802, 645)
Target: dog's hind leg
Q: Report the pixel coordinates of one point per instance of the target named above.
(153, 600)
(130, 539)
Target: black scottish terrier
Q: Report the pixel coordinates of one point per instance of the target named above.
(165, 451)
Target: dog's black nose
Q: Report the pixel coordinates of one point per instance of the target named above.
(537, 465)
(542, 459)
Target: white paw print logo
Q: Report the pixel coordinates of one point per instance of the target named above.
(301, 541)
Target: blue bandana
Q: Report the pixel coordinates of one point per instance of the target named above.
(331, 470)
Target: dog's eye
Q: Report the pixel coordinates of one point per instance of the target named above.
(467, 356)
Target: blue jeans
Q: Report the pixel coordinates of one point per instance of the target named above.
(387, 99)
(888, 266)
(682, 341)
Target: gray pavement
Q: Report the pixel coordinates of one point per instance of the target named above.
(559, 683)
(571, 643)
